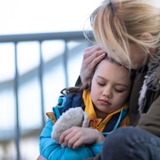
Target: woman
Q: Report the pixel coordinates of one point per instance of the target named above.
(129, 32)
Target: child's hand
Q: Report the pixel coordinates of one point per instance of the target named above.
(92, 56)
(77, 136)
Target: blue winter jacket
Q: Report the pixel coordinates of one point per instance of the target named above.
(52, 150)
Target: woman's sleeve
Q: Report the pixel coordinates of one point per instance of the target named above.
(150, 121)
(53, 151)
(78, 82)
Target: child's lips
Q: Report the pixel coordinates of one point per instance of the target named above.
(102, 101)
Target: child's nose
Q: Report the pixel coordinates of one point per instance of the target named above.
(107, 92)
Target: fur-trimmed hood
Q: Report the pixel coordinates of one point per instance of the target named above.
(152, 79)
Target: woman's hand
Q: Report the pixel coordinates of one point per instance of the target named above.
(92, 56)
(76, 136)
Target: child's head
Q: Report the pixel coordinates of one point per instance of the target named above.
(119, 23)
(110, 87)
(106, 67)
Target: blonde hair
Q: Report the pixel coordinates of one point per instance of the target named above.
(116, 23)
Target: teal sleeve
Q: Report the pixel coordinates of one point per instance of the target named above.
(53, 151)
(96, 148)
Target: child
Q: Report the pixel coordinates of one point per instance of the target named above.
(104, 99)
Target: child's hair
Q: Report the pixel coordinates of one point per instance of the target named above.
(87, 85)
(116, 23)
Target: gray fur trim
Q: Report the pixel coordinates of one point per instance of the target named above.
(149, 79)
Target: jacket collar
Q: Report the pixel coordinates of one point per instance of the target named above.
(152, 79)
(100, 123)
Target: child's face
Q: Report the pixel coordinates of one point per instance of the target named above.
(110, 88)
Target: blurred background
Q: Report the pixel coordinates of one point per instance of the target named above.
(41, 51)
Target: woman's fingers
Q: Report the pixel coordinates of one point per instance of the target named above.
(92, 56)
(91, 53)
(95, 61)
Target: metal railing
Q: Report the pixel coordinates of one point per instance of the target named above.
(39, 37)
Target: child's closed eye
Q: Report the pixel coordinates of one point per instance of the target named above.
(118, 90)
(101, 84)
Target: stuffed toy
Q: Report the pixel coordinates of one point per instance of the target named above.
(72, 117)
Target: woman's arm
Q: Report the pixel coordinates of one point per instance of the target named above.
(150, 121)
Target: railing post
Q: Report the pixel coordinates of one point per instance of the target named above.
(65, 60)
(16, 84)
(41, 84)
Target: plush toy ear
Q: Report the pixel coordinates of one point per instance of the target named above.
(51, 116)
(85, 122)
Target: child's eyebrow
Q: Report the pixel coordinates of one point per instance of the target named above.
(121, 84)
